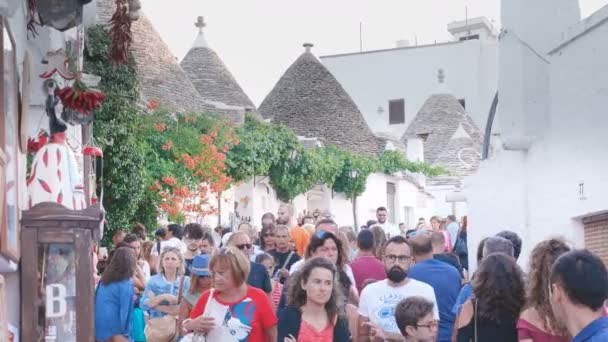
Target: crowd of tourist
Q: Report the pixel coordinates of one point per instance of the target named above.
(308, 279)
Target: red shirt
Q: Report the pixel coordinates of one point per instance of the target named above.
(309, 334)
(367, 267)
(244, 320)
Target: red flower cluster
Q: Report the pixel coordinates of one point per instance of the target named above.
(207, 165)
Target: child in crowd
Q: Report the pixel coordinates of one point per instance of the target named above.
(415, 320)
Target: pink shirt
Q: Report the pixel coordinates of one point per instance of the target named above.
(367, 267)
(309, 334)
(526, 330)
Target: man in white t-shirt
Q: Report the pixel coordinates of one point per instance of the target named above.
(389, 229)
(172, 239)
(379, 299)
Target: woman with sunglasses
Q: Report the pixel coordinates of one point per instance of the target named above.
(232, 310)
(313, 314)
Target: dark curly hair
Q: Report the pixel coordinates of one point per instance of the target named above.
(121, 267)
(498, 287)
(297, 295)
(542, 258)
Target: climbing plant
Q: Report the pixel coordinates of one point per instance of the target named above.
(268, 149)
(115, 130)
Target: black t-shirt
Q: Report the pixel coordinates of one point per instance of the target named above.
(451, 259)
(280, 260)
(188, 264)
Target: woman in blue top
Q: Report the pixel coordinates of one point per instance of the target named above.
(161, 293)
(114, 298)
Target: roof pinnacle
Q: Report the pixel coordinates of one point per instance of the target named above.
(200, 23)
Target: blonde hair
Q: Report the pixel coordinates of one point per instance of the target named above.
(181, 269)
(234, 259)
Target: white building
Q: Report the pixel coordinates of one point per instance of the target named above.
(551, 176)
(390, 86)
(24, 58)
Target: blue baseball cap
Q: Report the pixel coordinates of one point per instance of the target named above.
(200, 265)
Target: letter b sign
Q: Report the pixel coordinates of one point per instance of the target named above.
(56, 304)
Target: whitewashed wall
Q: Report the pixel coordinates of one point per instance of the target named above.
(374, 78)
(537, 193)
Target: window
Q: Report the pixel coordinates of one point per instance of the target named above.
(463, 103)
(396, 112)
(391, 197)
(471, 37)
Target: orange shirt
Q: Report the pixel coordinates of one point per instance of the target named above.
(301, 238)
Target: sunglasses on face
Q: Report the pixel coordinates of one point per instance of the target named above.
(268, 235)
(243, 246)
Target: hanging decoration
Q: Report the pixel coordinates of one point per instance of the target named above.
(120, 32)
(79, 103)
(61, 15)
(54, 175)
(58, 62)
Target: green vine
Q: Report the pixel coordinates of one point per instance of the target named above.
(115, 130)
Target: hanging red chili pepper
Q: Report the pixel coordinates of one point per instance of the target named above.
(120, 32)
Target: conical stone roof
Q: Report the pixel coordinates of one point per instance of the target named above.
(309, 100)
(210, 76)
(451, 138)
(160, 76)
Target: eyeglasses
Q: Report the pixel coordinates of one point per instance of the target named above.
(243, 246)
(400, 258)
(431, 325)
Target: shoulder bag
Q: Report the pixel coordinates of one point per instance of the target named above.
(164, 329)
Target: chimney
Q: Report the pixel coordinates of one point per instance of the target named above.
(402, 43)
(308, 46)
(200, 39)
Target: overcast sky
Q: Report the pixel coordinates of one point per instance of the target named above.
(258, 40)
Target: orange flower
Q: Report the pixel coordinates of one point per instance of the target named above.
(152, 104)
(168, 145)
(161, 127)
(169, 180)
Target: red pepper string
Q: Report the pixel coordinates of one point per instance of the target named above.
(32, 6)
(120, 32)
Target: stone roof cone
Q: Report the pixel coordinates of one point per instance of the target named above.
(309, 100)
(160, 76)
(452, 139)
(209, 74)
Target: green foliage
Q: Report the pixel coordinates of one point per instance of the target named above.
(261, 146)
(394, 161)
(364, 165)
(265, 149)
(115, 127)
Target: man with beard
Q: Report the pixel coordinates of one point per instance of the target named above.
(389, 229)
(298, 234)
(378, 300)
(193, 239)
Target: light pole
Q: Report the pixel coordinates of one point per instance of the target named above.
(353, 176)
